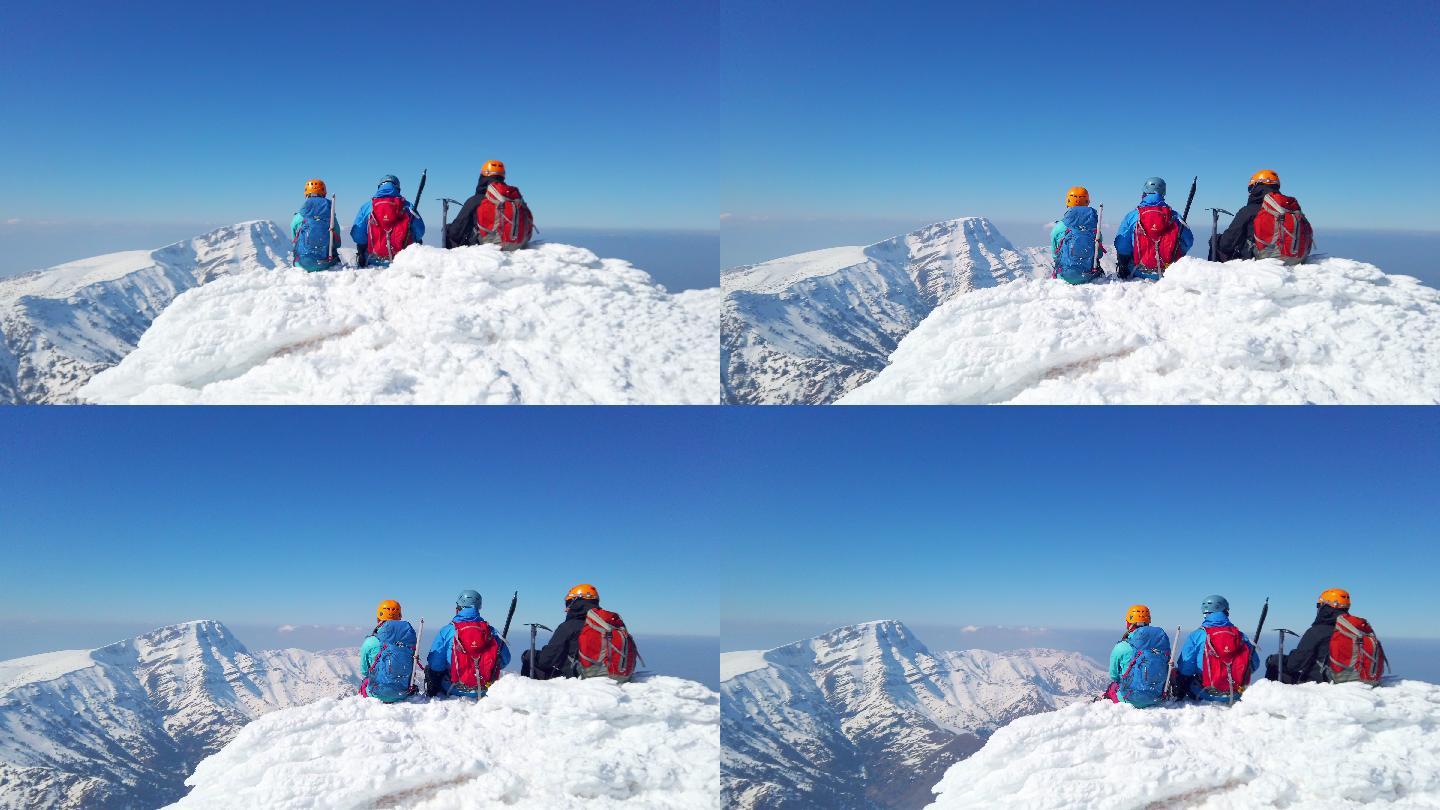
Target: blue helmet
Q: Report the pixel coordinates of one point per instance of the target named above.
(1155, 185)
(390, 178)
(468, 598)
(1215, 603)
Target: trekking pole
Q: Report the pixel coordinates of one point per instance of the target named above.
(1099, 223)
(1215, 244)
(334, 226)
(1185, 217)
(533, 626)
(1260, 628)
(420, 192)
(418, 638)
(514, 597)
(1171, 669)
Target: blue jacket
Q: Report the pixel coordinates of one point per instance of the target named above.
(360, 233)
(1125, 234)
(439, 658)
(1188, 664)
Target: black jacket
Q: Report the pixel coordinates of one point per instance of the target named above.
(1307, 662)
(1238, 241)
(461, 230)
(556, 659)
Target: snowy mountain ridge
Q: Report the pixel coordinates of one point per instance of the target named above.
(1297, 746)
(124, 724)
(62, 325)
(866, 716)
(651, 743)
(553, 324)
(808, 328)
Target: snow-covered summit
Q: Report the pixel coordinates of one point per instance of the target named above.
(1251, 332)
(553, 324)
(867, 715)
(533, 744)
(1306, 746)
(122, 725)
(808, 328)
(60, 326)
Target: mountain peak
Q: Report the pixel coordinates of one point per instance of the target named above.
(808, 328)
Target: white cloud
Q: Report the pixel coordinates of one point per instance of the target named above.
(285, 628)
(13, 221)
(970, 628)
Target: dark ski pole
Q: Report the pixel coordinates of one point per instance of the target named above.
(1185, 217)
(514, 597)
(1264, 611)
(420, 193)
(533, 627)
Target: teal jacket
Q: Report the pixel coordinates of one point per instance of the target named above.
(1119, 659)
(368, 650)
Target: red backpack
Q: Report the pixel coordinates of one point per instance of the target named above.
(1355, 652)
(473, 655)
(606, 648)
(1282, 231)
(1157, 238)
(1224, 662)
(389, 228)
(503, 218)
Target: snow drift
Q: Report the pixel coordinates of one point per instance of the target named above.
(60, 326)
(1307, 746)
(1253, 332)
(553, 324)
(539, 744)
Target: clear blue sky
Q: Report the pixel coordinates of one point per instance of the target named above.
(1062, 517)
(296, 515)
(934, 110)
(202, 112)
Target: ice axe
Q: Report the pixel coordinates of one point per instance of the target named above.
(420, 192)
(1185, 217)
(1215, 243)
(533, 627)
(445, 203)
(1280, 659)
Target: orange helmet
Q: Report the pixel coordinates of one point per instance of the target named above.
(583, 591)
(493, 168)
(1077, 195)
(1137, 614)
(1336, 598)
(314, 188)
(1265, 176)
(388, 610)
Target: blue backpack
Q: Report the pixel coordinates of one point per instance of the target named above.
(1143, 682)
(312, 239)
(1075, 255)
(389, 675)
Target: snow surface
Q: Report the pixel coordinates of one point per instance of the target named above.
(866, 716)
(741, 662)
(123, 725)
(808, 328)
(1308, 746)
(62, 325)
(529, 744)
(1253, 332)
(554, 324)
